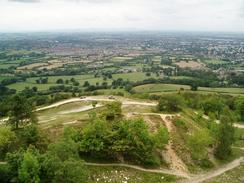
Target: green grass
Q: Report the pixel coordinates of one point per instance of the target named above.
(120, 174)
(136, 76)
(7, 65)
(216, 62)
(233, 176)
(54, 118)
(238, 133)
(120, 59)
(31, 82)
(22, 85)
(157, 59)
(4, 77)
(152, 88)
(223, 90)
(181, 77)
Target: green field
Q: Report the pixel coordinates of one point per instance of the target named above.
(117, 175)
(153, 88)
(7, 65)
(120, 59)
(223, 90)
(157, 59)
(216, 62)
(4, 77)
(31, 82)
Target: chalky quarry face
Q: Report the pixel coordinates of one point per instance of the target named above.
(92, 15)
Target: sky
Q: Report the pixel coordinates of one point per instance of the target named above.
(121, 15)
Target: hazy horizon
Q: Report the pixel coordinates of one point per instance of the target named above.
(121, 16)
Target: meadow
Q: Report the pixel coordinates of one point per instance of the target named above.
(154, 88)
(31, 82)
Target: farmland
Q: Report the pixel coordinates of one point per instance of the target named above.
(139, 107)
(31, 82)
(154, 88)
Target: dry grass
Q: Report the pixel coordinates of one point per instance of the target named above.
(190, 64)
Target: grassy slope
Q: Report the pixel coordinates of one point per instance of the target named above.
(153, 88)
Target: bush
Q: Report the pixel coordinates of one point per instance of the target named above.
(172, 103)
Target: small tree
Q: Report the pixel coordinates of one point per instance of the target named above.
(21, 112)
(60, 81)
(86, 84)
(161, 137)
(29, 169)
(7, 137)
(113, 110)
(240, 108)
(225, 135)
(30, 134)
(71, 171)
(199, 142)
(94, 137)
(94, 103)
(213, 104)
(170, 103)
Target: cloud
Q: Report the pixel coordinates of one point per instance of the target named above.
(25, 1)
(77, 1)
(204, 15)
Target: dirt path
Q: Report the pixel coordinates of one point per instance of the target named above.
(80, 109)
(170, 155)
(60, 103)
(215, 173)
(161, 171)
(238, 125)
(99, 99)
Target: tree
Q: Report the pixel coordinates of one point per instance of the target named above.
(60, 81)
(30, 134)
(29, 169)
(71, 171)
(133, 140)
(148, 74)
(94, 103)
(22, 111)
(14, 161)
(61, 163)
(240, 108)
(194, 86)
(7, 137)
(86, 84)
(225, 135)
(94, 137)
(64, 149)
(44, 80)
(199, 142)
(112, 111)
(213, 104)
(170, 103)
(67, 81)
(161, 137)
